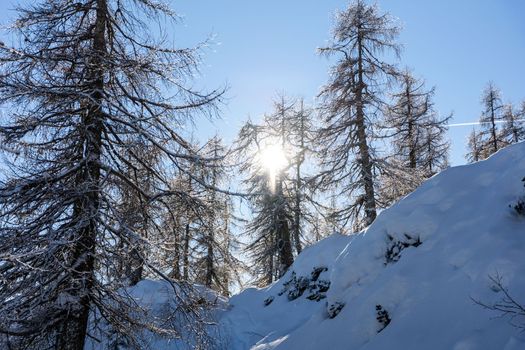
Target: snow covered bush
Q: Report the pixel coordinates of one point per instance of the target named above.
(268, 300)
(382, 317)
(519, 206)
(299, 286)
(316, 272)
(296, 286)
(318, 290)
(393, 252)
(335, 308)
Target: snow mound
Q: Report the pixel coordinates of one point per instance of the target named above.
(161, 300)
(410, 281)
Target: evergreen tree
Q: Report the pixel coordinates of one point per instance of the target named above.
(350, 104)
(86, 79)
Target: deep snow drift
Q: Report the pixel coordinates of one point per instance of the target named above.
(423, 261)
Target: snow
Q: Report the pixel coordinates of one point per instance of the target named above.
(159, 298)
(468, 233)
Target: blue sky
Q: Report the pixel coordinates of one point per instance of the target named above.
(265, 47)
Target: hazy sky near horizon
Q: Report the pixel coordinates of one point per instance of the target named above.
(261, 48)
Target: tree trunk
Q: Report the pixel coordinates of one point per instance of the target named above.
(270, 257)
(298, 187)
(186, 254)
(284, 244)
(209, 260)
(493, 122)
(210, 241)
(412, 151)
(73, 331)
(297, 212)
(136, 266)
(175, 273)
(285, 247)
(226, 274)
(364, 151)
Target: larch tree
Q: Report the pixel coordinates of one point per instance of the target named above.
(261, 228)
(265, 179)
(417, 139)
(181, 220)
(301, 150)
(435, 146)
(216, 266)
(513, 130)
(276, 131)
(135, 210)
(81, 80)
(474, 147)
(491, 139)
(350, 104)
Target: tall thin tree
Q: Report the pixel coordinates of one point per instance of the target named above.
(417, 139)
(350, 104)
(513, 130)
(474, 147)
(490, 117)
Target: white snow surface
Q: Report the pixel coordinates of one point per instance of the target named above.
(468, 233)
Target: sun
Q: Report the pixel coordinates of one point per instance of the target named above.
(273, 160)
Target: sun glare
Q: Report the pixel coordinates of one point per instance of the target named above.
(273, 159)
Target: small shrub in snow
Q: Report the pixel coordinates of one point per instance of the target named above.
(382, 317)
(288, 284)
(323, 286)
(268, 300)
(299, 286)
(393, 252)
(317, 271)
(318, 290)
(296, 286)
(316, 296)
(519, 206)
(335, 308)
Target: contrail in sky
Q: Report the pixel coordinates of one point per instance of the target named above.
(479, 123)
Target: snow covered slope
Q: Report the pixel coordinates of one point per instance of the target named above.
(420, 266)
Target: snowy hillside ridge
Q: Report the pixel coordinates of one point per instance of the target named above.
(410, 281)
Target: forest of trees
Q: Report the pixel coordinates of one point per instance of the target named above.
(106, 184)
